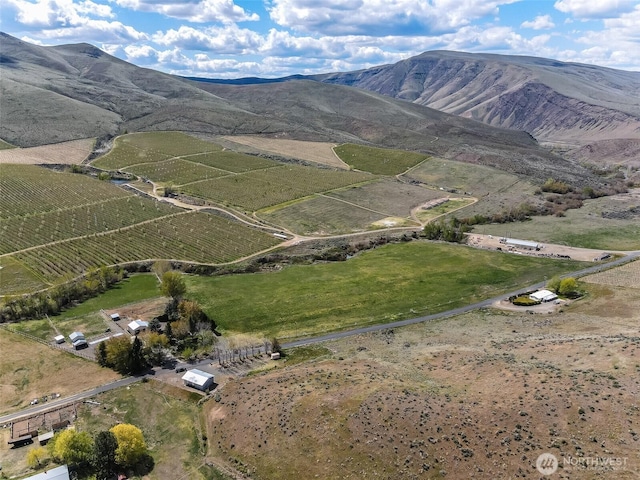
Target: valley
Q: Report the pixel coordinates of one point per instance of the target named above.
(297, 209)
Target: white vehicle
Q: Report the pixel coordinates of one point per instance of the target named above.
(34, 401)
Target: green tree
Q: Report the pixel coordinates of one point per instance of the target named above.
(70, 446)
(101, 354)
(131, 444)
(173, 285)
(275, 345)
(568, 287)
(137, 362)
(118, 354)
(36, 457)
(554, 284)
(156, 347)
(104, 455)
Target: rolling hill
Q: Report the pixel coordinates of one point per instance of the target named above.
(53, 94)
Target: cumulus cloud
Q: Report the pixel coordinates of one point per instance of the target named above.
(226, 40)
(595, 8)
(56, 13)
(541, 22)
(380, 17)
(198, 11)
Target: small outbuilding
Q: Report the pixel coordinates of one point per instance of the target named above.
(59, 338)
(524, 244)
(275, 356)
(115, 317)
(543, 296)
(137, 326)
(198, 379)
(78, 341)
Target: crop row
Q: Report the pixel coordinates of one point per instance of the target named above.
(263, 188)
(18, 233)
(232, 161)
(381, 161)
(28, 189)
(147, 147)
(193, 236)
(177, 170)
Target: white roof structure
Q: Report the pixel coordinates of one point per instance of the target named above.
(522, 243)
(115, 316)
(58, 473)
(197, 377)
(138, 325)
(543, 296)
(59, 338)
(75, 336)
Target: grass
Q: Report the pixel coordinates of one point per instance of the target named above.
(30, 370)
(379, 161)
(5, 146)
(133, 289)
(387, 284)
(448, 206)
(169, 419)
(15, 278)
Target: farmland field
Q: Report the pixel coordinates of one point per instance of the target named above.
(29, 370)
(15, 278)
(321, 215)
(382, 285)
(192, 236)
(177, 171)
(28, 190)
(263, 188)
(353, 209)
(231, 161)
(379, 161)
(623, 276)
(67, 153)
(37, 229)
(316, 152)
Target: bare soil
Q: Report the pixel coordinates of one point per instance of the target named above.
(65, 153)
(480, 395)
(316, 152)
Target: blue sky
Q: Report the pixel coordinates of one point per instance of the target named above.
(273, 38)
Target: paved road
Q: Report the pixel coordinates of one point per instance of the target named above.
(41, 408)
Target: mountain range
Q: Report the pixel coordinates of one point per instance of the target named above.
(58, 93)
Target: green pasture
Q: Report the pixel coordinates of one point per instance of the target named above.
(382, 285)
(5, 146)
(379, 161)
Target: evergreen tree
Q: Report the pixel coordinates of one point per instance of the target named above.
(104, 455)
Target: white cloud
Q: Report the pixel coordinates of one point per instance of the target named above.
(595, 8)
(541, 22)
(197, 11)
(56, 13)
(380, 17)
(99, 31)
(226, 40)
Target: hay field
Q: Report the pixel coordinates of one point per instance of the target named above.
(624, 276)
(66, 153)
(30, 370)
(315, 152)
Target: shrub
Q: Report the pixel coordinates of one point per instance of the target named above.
(524, 301)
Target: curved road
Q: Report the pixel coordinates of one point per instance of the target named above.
(41, 408)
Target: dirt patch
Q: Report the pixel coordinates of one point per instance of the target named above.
(492, 242)
(146, 310)
(67, 153)
(316, 152)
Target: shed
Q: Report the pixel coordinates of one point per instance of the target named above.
(137, 326)
(115, 317)
(275, 356)
(58, 473)
(75, 336)
(543, 296)
(526, 244)
(198, 379)
(59, 338)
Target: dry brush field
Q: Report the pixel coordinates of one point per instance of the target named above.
(66, 153)
(480, 395)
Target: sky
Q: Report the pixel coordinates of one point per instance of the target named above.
(275, 38)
